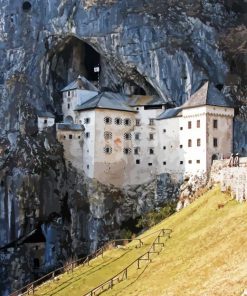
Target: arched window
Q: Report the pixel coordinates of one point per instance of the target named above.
(69, 120)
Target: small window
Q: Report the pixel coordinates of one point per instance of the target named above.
(181, 146)
(164, 162)
(164, 147)
(68, 93)
(88, 166)
(151, 121)
(137, 150)
(189, 143)
(127, 121)
(70, 137)
(190, 161)
(137, 108)
(64, 137)
(189, 124)
(79, 137)
(151, 136)
(118, 121)
(87, 135)
(151, 150)
(126, 150)
(68, 106)
(164, 130)
(181, 162)
(150, 164)
(137, 136)
(107, 120)
(215, 142)
(198, 142)
(127, 136)
(45, 121)
(198, 161)
(181, 128)
(138, 161)
(138, 122)
(215, 123)
(107, 135)
(108, 149)
(87, 120)
(198, 123)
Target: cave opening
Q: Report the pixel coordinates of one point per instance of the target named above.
(26, 6)
(72, 57)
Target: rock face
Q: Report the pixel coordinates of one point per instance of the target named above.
(153, 47)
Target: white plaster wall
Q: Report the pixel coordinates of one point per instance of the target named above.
(76, 97)
(171, 141)
(42, 125)
(144, 172)
(115, 168)
(194, 153)
(73, 148)
(88, 159)
(224, 132)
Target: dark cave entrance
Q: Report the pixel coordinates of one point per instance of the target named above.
(92, 61)
(26, 6)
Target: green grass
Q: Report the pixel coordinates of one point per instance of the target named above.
(206, 256)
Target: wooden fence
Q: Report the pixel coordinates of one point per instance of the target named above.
(69, 267)
(123, 274)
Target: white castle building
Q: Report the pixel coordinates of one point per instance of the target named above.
(124, 140)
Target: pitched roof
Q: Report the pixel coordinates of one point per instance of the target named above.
(169, 113)
(45, 114)
(140, 100)
(106, 100)
(70, 127)
(208, 94)
(80, 83)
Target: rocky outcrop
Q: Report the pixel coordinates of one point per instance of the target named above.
(193, 187)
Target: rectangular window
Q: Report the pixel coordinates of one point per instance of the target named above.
(68, 106)
(189, 124)
(164, 162)
(138, 122)
(151, 121)
(68, 93)
(88, 166)
(137, 150)
(151, 150)
(87, 120)
(198, 123)
(70, 137)
(189, 143)
(164, 130)
(181, 146)
(151, 136)
(137, 136)
(45, 121)
(181, 162)
(181, 128)
(190, 161)
(215, 123)
(164, 147)
(87, 134)
(198, 141)
(150, 164)
(215, 142)
(138, 161)
(198, 161)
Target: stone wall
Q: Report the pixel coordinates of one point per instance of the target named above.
(231, 178)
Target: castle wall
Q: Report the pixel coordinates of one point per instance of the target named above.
(44, 122)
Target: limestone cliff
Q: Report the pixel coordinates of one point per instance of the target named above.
(161, 47)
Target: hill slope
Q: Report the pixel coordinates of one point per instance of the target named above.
(206, 255)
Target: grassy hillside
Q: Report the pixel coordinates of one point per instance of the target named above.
(206, 255)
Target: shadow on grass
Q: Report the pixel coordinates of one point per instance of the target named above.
(86, 273)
